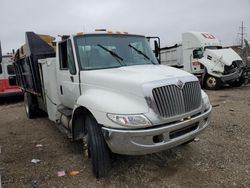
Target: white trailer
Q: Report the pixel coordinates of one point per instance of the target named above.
(200, 53)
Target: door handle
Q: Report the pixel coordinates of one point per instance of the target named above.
(61, 90)
(72, 78)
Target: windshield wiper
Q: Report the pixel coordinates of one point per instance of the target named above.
(140, 52)
(118, 58)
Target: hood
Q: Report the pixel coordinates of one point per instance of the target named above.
(225, 56)
(131, 78)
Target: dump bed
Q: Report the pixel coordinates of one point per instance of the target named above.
(26, 61)
(172, 56)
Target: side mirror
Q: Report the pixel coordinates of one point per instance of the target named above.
(157, 50)
(0, 53)
(157, 47)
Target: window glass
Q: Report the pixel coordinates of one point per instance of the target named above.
(139, 46)
(63, 55)
(70, 58)
(110, 51)
(198, 53)
(11, 69)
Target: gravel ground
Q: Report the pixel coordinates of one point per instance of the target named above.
(219, 158)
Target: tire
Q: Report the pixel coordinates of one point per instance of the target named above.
(98, 150)
(211, 82)
(30, 105)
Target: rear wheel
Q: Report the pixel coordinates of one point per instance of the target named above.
(30, 105)
(98, 150)
(211, 82)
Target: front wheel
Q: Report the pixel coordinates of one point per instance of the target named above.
(211, 82)
(98, 150)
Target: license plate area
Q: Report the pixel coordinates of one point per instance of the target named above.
(183, 131)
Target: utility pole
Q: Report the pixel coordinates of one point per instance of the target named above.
(242, 34)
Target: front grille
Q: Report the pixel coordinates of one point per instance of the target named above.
(171, 100)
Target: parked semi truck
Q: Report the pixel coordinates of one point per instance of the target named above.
(201, 54)
(8, 85)
(108, 90)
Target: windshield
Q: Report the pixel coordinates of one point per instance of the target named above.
(110, 51)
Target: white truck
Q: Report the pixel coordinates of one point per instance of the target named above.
(108, 90)
(201, 54)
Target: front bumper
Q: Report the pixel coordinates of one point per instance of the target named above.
(151, 140)
(233, 76)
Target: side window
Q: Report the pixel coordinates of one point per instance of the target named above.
(84, 52)
(63, 56)
(197, 53)
(70, 58)
(1, 70)
(11, 69)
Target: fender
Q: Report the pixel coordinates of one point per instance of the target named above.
(100, 102)
(212, 66)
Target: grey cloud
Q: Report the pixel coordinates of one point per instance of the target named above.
(164, 18)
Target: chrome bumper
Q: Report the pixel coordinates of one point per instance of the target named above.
(151, 140)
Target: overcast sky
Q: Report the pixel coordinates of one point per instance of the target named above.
(164, 18)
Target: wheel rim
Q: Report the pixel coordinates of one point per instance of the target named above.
(211, 82)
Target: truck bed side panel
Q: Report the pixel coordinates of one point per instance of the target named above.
(172, 56)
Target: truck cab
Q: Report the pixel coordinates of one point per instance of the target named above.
(8, 84)
(109, 91)
(203, 53)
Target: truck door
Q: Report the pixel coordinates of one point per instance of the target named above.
(196, 67)
(68, 79)
(11, 74)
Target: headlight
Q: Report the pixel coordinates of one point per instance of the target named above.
(205, 100)
(129, 120)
